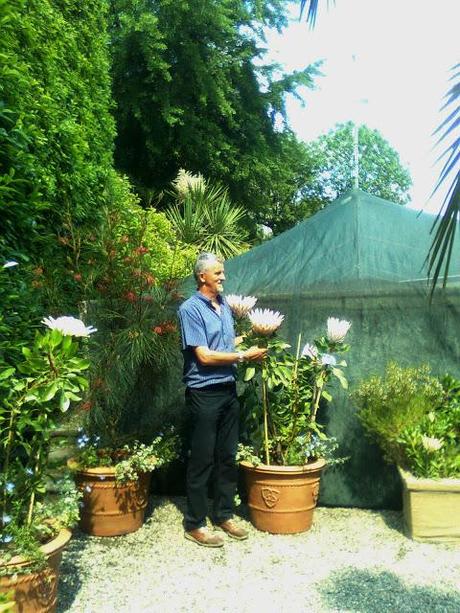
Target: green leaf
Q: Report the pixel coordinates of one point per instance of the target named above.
(249, 374)
(64, 402)
(6, 374)
(49, 392)
(326, 395)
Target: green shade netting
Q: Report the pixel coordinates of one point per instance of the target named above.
(362, 259)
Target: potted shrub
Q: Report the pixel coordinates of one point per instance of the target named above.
(287, 447)
(38, 381)
(415, 418)
(137, 339)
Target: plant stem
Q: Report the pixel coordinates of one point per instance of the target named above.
(265, 406)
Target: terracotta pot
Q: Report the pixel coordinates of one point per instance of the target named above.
(109, 508)
(282, 499)
(36, 592)
(431, 508)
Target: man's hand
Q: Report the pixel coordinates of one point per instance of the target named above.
(255, 354)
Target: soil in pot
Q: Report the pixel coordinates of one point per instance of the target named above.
(282, 499)
(36, 592)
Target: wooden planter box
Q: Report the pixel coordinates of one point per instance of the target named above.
(431, 508)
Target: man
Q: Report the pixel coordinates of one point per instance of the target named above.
(208, 346)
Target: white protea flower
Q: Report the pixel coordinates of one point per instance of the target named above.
(69, 326)
(185, 181)
(328, 360)
(10, 264)
(337, 329)
(432, 444)
(241, 305)
(265, 321)
(310, 351)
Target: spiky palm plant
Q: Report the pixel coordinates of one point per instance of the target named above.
(206, 218)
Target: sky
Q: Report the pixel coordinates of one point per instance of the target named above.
(386, 64)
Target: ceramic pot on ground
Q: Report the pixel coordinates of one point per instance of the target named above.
(36, 592)
(431, 508)
(282, 499)
(107, 507)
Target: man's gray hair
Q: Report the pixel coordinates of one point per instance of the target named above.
(203, 262)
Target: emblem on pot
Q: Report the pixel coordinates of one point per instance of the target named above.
(270, 496)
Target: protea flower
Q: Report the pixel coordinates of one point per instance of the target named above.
(337, 329)
(432, 444)
(241, 305)
(69, 326)
(185, 181)
(328, 360)
(310, 351)
(265, 321)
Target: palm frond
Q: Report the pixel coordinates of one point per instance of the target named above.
(312, 10)
(440, 252)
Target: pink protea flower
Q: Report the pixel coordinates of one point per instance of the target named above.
(241, 305)
(265, 321)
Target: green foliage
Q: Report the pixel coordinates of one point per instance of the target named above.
(332, 161)
(282, 399)
(415, 419)
(446, 222)
(56, 135)
(34, 392)
(192, 91)
(131, 461)
(204, 217)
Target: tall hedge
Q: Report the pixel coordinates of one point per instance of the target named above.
(56, 128)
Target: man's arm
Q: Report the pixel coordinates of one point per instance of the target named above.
(208, 357)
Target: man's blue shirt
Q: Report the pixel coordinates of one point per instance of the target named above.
(202, 326)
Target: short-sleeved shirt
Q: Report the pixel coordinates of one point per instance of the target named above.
(202, 326)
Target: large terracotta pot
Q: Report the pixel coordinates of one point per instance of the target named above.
(109, 508)
(282, 499)
(431, 508)
(36, 592)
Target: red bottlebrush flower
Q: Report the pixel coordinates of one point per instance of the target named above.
(158, 330)
(141, 250)
(149, 279)
(77, 276)
(86, 406)
(130, 296)
(147, 298)
(169, 326)
(37, 284)
(38, 271)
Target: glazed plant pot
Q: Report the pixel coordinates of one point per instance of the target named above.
(109, 508)
(36, 592)
(431, 508)
(282, 499)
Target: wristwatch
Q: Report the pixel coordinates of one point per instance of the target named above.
(241, 356)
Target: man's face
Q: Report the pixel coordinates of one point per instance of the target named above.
(212, 278)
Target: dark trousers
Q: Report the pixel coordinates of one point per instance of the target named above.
(213, 414)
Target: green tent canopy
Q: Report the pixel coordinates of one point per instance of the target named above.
(362, 259)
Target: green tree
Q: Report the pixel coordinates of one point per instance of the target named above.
(332, 159)
(193, 92)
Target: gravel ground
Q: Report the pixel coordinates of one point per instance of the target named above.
(351, 560)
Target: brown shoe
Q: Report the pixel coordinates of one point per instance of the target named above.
(234, 531)
(205, 538)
